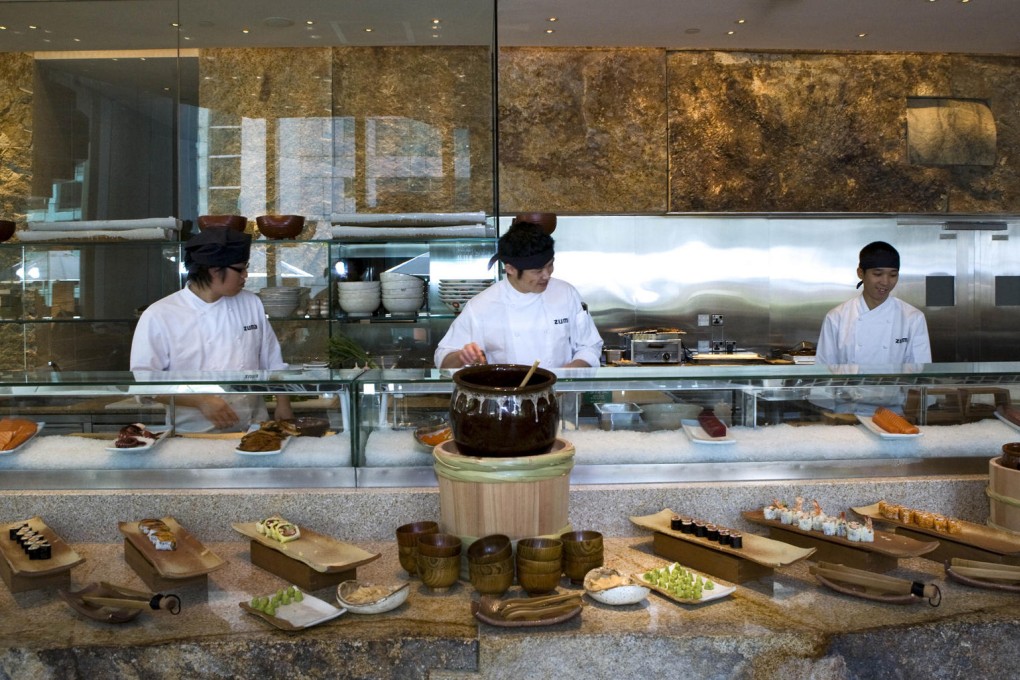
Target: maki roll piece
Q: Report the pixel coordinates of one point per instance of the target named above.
(868, 531)
(804, 521)
(829, 526)
(164, 540)
(736, 540)
(674, 523)
(24, 531)
(285, 532)
(14, 531)
(151, 526)
(39, 551)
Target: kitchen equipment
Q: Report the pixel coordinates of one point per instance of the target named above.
(619, 416)
(656, 346)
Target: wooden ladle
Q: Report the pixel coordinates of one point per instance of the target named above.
(527, 376)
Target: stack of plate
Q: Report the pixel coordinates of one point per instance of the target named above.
(359, 297)
(281, 300)
(402, 293)
(455, 293)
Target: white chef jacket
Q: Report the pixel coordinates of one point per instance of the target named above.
(518, 328)
(183, 332)
(892, 333)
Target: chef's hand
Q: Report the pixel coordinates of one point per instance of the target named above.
(283, 410)
(471, 353)
(218, 412)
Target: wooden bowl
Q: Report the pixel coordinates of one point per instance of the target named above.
(540, 548)
(235, 222)
(539, 566)
(494, 578)
(407, 534)
(543, 219)
(7, 229)
(582, 544)
(489, 549)
(280, 226)
(538, 583)
(438, 545)
(439, 573)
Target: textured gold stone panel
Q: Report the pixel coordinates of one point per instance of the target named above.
(582, 130)
(419, 124)
(16, 71)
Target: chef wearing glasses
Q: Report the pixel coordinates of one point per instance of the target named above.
(212, 324)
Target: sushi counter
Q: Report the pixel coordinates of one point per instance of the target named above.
(781, 622)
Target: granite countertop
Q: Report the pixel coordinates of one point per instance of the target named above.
(791, 627)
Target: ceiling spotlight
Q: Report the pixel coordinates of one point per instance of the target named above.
(730, 32)
(435, 21)
(174, 24)
(32, 27)
(862, 35)
(245, 31)
(368, 30)
(549, 30)
(309, 23)
(3, 28)
(740, 21)
(552, 19)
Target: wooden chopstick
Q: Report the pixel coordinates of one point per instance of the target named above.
(960, 562)
(987, 574)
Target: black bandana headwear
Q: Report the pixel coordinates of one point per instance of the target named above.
(522, 233)
(217, 248)
(878, 255)
(536, 261)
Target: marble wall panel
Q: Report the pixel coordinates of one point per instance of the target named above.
(995, 80)
(582, 130)
(256, 100)
(798, 132)
(422, 128)
(16, 72)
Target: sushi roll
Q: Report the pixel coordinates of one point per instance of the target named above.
(711, 532)
(954, 526)
(687, 526)
(941, 524)
(38, 538)
(285, 532)
(151, 526)
(700, 530)
(805, 521)
(841, 525)
(867, 531)
(817, 516)
(772, 510)
(853, 531)
(39, 551)
(674, 523)
(829, 526)
(23, 532)
(786, 516)
(163, 540)
(14, 531)
(907, 515)
(724, 537)
(736, 540)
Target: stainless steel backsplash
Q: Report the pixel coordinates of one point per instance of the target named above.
(773, 277)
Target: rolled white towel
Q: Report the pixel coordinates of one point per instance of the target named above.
(387, 233)
(409, 219)
(108, 225)
(129, 234)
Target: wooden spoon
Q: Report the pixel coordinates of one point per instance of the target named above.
(530, 373)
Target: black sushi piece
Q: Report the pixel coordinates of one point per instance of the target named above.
(674, 523)
(711, 532)
(15, 530)
(700, 530)
(687, 526)
(737, 540)
(724, 537)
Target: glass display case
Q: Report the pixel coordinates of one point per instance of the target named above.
(640, 424)
(627, 425)
(75, 419)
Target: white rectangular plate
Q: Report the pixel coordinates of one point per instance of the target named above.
(867, 422)
(283, 445)
(697, 434)
(721, 589)
(38, 429)
(160, 436)
(308, 612)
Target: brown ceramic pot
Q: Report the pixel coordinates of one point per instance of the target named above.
(235, 222)
(1011, 455)
(492, 416)
(7, 229)
(543, 219)
(280, 226)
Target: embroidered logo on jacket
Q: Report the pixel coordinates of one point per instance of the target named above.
(900, 341)
(255, 327)
(557, 322)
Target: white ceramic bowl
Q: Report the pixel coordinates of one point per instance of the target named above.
(390, 602)
(617, 596)
(359, 306)
(397, 276)
(402, 288)
(358, 285)
(402, 305)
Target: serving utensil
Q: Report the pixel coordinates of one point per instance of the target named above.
(877, 583)
(531, 372)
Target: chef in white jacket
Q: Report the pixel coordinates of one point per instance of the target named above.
(212, 324)
(524, 317)
(875, 328)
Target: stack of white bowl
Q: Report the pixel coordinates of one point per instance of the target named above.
(455, 293)
(359, 297)
(402, 293)
(281, 300)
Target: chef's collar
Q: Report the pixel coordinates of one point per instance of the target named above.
(536, 261)
(881, 259)
(217, 248)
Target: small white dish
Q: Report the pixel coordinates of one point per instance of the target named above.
(697, 434)
(870, 425)
(617, 595)
(387, 603)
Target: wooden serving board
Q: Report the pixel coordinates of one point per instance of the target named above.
(191, 559)
(322, 553)
(983, 538)
(758, 549)
(62, 556)
(882, 554)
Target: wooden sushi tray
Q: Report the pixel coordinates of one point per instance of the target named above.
(881, 555)
(755, 561)
(21, 573)
(974, 542)
(188, 565)
(311, 562)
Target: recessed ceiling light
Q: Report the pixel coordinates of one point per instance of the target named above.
(740, 21)
(549, 30)
(174, 24)
(553, 19)
(245, 31)
(32, 27)
(862, 35)
(435, 21)
(368, 30)
(3, 28)
(309, 23)
(730, 32)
